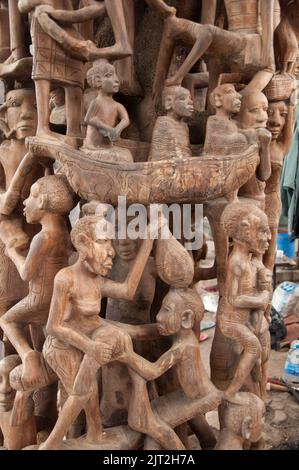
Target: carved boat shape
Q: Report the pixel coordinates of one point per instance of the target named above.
(192, 180)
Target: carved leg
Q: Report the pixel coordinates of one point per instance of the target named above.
(116, 14)
(204, 38)
(16, 32)
(13, 323)
(251, 353)
(73, 105)
(93, 418)
(141, 417)
(270, 255)
(42, 89)
(71, 409)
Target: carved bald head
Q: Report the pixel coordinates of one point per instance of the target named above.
(7, 393)
(181, 308)
(225, 97)
(254, 108)
(245, 223)
(50, 194)
(21, 114)
(102, 75)
(177, 101)
(93, 246)
(245, 420)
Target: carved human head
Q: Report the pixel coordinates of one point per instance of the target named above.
(227, 98)
(181, 308)
(277, 114)
(50, 194)
(248, 225)
(265, 279)
(244, 416)
(254, 107)
(177, 101)
(102, 75)
(7, 393)
(93, 244)
(20, 112)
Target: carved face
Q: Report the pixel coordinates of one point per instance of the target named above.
(7, 393)
(169, 316)
(230, 99)
(98, 254)
(109, 81)
(126, 249)
(182, 104)
(265, 279)
(256, 233)
(277, 113)
(21, 112)
(254, 109)
(33, 209)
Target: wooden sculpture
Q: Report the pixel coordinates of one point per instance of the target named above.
(248, 227)
(241, 424)
(49, 201)
(105, 119)
(243, 48)
(81, 123)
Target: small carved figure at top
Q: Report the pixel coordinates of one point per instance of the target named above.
(247, 225)
(223, 136)
(171, 133)
(105, 118)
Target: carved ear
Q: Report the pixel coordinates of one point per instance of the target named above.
(218, 100)
(3, 124)
(42, 201)
(85, 243)
(246, 427)
(245, 228)
(168, 103)
(188, 319)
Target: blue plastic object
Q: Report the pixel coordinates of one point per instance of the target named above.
(286, 245)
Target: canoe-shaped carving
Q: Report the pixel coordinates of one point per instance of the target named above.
(196, 179)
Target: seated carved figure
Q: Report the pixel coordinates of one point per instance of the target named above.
(49, 201)
(223, 136)
(181, 310)
(241, 424)
(16, 436)
(170, 137)
(105, 119)
(247, 225)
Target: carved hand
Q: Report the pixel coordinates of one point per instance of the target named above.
(101, 352)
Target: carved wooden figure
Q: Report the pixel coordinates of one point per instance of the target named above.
(106, 118)
(82, 340)
(281, 124)
(49, 201)
(243, 48)
(18, 121)
(241, 423)
(248, 227)
(170, 137)
(181, 310)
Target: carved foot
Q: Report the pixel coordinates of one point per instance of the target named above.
(33, 374)
(48, 135)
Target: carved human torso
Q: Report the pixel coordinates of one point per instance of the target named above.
(170, 139)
